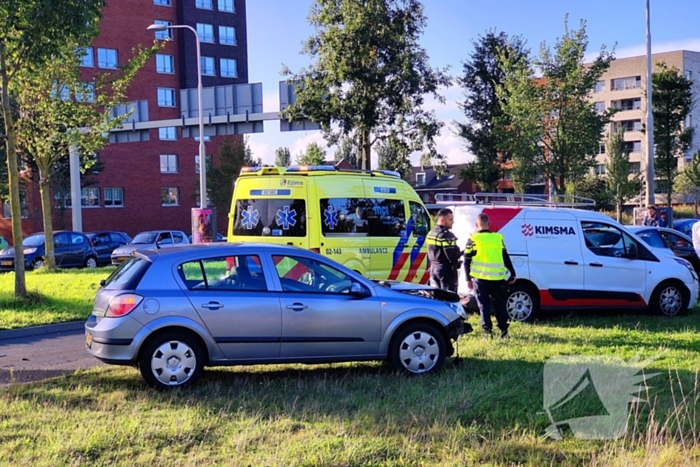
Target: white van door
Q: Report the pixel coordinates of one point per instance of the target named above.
(611, 277)
(554, 257)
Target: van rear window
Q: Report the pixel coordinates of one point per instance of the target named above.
(270, 217)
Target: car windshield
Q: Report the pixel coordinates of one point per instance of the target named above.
(145, 238)
(33, 241)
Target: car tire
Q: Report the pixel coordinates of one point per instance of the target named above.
(418, 348)
(37, 263)
(91, 262)
(669, 299)
(172, 360)
(522, 303)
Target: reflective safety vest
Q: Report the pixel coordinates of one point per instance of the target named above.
(487, 262)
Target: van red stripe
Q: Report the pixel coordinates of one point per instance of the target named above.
(414, 267)
(499, 217)
(396, 269)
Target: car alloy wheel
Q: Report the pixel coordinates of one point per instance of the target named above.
(38, 263)
(171, 360)
(91, 262)
(670, 301)
(419, 348)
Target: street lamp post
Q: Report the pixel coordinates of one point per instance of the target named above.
(202, 153)
(649, 198)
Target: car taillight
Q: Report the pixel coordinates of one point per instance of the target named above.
(122, 305)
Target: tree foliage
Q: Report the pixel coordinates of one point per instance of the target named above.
(554, 129)
(370, 75)
(282, 157)
(672, 100)
(393, 154)
(314, 155)
(32, 33)
(688, 180)
(621, 186)
(347, 149)
(593, 187)
(234, 154)
(482, 75)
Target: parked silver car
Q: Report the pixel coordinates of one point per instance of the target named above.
(149, 239)
(173, 311)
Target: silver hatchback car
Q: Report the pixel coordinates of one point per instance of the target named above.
(172, 312)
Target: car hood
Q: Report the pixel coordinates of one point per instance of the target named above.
(420, 290)
(126, 250)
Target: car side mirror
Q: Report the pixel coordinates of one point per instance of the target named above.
(359, 290)
(102, 283)
(633, 251)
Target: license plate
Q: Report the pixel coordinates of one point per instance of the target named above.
(88, 340)
(6, 263)
(122, 258)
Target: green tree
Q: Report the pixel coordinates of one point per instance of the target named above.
(554, 128)
(369, 72)
(688, 180)
(591, 186)
(672, 100)
(314, 155)
(482, 75)
(282, 157)
(33, 32)
(54, 104)
(234, 154)
(347, 149)
(393, 154)
(617, 173)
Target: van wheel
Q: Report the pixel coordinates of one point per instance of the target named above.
(522, 303)
(668, 299)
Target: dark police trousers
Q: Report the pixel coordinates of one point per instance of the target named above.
(485, 292)
(443, 276)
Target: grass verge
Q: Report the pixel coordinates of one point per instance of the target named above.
(56, 297)
(486, 411)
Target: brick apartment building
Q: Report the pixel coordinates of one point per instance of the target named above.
(150, 176)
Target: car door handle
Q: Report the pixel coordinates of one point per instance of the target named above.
(212, 305)
(596, 265)
(572, 263)
(297, 306)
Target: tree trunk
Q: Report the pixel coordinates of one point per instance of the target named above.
(618, 207)
(13, 177)
(45, 190)
(366, 150)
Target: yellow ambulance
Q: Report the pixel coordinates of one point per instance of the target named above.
(372, 222)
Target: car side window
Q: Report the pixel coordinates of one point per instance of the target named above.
(675, 241)
(606, 240)
(77, 239)
(234, 273)
(164, 238)
(652, 238)
(60, 240)
(178, 237)
(297, 274)
(420, 219)
(116, 238)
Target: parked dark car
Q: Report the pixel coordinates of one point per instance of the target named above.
(662, 237)
(685, 226)
(72, 249)
(106, 242)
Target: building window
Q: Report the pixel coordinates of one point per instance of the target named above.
(170, 196)
(600, 169)
(166, 33)
(24, 208)
(635, 167)
(228, 68)
(204, 4)
(166, 97)
(633, 146)
(205, 32)
(420, 179)
(90, 197)
(85, 92)
(688, 75)
(600, 107)
(628, 104)
(207, 64)
(227, 5)
(161, 2)
(630, 82)
(227, 35)
(599, 87)
(114, 197)
(628, 125)
(107, 58)
(165, 63)
(168, 163)
(168, 133)
(601, 149)
(86, 56)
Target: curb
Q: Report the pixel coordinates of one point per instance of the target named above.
(40, 330)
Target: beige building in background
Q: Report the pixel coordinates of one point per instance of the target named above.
(623, 87)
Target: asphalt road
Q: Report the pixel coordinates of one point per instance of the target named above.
(25, 359)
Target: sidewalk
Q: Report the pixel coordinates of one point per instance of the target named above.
(38, 330)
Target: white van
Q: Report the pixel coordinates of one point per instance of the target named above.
(568, 258)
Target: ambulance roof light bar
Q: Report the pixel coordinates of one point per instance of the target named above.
(515, 199)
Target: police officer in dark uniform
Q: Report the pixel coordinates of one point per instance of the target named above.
(487, 267)
(443, 252)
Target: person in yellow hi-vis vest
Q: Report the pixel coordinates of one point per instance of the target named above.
(486, 268)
